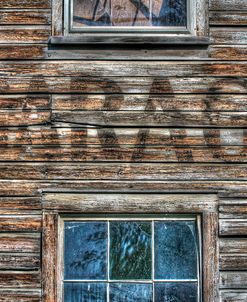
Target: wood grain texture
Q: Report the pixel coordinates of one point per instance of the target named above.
(23, 118)
(233, 279)
(228, 5)
(49, 257)
(33, 187)
(25, 102)
(136, 85)
(125, 153)
(233, 296)
(129, 203)
(19, 243)
(228, 36)
(122, 69)
(24, 34)
(233, 246)
(8, 295)
(117, 137)
(27, 17)
(23, 51)
(153, 118)
(228, 18)
(147, 102)
(20, 279)
(19, 261)
(233, 262)
(20, 223)
(25, 4)
(233, 211)
(233, 227)
(111, 171)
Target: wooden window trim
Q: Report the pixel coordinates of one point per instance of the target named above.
(197, 33)
(55, 204)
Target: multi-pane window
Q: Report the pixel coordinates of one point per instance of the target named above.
(128, 13)
(131, 259)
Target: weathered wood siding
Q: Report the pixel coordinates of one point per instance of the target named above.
(119, 119)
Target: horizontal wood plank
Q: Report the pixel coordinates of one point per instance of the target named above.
(228, 52)
(153, 118)
(125, 153)
(228, 18)
(25, 102)
(233, 211)
(233, 262)
(233, 227)
(233, 279)
(8, 295)
(116, 137)
(33, 187)
(20, 279)
(24, 34)
(148, 103)
(233, 296)
(28, 17)
(24, 118)
(136, 69)
(19, 204)
(228, 5)
(19, 261)
(130, 203)
(25, 4)
(23, 51)
(233, 246)
(20, 223)
(19, 243)
(126, 171)
(228, 36)
(39, 84)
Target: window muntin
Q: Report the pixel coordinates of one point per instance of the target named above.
(128, 13)
(109, 259)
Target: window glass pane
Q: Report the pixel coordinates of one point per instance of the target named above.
(169, 13)
(130, 250)
(85, 292)
(175, 292)
(130, 292)
(175, 244)
(129, 13)
(85, 250)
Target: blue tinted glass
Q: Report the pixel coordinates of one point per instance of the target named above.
(130, 250)
(130, 292)
(175, 292)
(175, 244)
(169, 13)
(85, 250)
(85, 292)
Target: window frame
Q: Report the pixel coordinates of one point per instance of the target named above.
(196, 32)
(56, 205)
(128, 217)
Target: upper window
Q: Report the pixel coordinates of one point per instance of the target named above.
(128, 14)
(130, 21)
(131, 259)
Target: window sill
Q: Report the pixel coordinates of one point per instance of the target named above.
(128, 39)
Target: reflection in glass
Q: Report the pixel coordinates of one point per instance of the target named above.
(129, 13)
(130, 292)
(85, 250)
(85, 292)
(175, 292)
(175, 245)
(130, 250)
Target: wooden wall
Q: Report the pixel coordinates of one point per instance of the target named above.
(115, 119)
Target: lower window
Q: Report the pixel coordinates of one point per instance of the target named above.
(141, 258)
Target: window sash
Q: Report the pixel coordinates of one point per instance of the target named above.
(132, 217)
